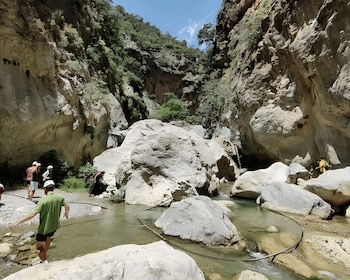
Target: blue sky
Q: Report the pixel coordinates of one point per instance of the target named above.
(181, 18)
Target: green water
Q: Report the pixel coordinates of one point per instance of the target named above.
(119, 224)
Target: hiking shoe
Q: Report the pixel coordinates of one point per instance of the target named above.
(34, 262)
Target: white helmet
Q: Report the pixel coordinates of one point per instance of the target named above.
(48, 183)
(50, 167)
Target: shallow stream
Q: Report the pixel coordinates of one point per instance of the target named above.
(120, 224)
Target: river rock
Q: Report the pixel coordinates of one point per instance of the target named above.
(198, 219)
(250, 275)
(335, 249)
(291, 198)
(152, 261)
(333, 186)
(297, 171)
(5, 249)
(250, 183)
(158, 161)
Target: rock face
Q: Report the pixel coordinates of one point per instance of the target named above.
(41, 107)
(152, 261)
(198, 219)
(289, 67)
(160, 162)
(54, 90)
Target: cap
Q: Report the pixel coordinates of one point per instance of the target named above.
(38, 164)
(50, 167)
(34, 163)
(48, 183)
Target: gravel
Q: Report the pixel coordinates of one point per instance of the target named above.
(14, 205)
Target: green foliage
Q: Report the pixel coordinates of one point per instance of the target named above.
(118, 198)
(86, 172)
(74, 65)
(206, 34)
(74, 39)
(311, 58)
(73, 184)
(172, 109)
(214, 97)
(94, 92)
(60, 168)
(249, 35)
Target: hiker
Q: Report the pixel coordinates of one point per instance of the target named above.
(49, 208)
(29, 176)
(47, 175)
(34, 183)
(322, 165)
(99, 185)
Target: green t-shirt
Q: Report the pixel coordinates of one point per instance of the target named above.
(50, 208)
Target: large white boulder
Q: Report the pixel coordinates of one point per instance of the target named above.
(199, 219)
(133, 262)
(250, 183)
(157, 160)
(284, 197)
(332, 186)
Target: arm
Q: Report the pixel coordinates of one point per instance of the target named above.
(66, 209)
(27, 218)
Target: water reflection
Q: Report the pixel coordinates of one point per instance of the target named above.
(119, 224)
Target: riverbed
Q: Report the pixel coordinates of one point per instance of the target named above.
(113, 224)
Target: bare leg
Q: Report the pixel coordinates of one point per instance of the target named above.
(43, 247)
(28, 190)
(31, 195)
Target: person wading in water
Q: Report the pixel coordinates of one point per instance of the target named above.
(49, 208)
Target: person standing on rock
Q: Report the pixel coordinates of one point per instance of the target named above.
(29, 177)
(322, 165)
(49, 208)
(34, 183)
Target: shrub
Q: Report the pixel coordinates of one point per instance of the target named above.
(86, 172)
(117, 198)
(73, 184)
(172, 110)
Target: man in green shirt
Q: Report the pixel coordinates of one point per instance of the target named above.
(49, 208)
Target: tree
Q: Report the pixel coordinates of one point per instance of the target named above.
(206, 34)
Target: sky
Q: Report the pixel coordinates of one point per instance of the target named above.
(180, 18)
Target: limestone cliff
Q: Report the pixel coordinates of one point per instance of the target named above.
(286, 67)
(68, 79)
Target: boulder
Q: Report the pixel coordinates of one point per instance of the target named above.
(5, 249)
(332, 186)
(250, 183)
(250, 275)
(297, 171)
(199, 219)
(291, 198)
(158, 162)
(152, 261)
